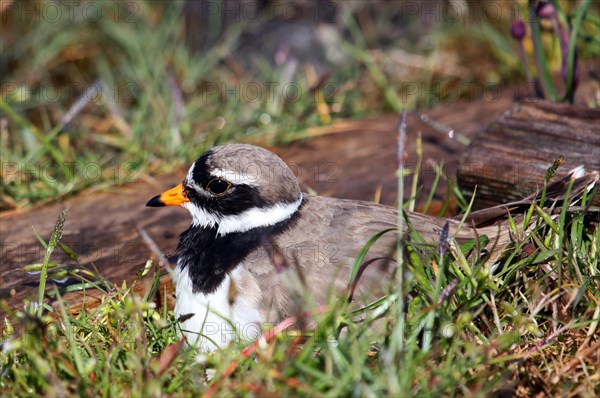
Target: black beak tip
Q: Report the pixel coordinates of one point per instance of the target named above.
(155, 202)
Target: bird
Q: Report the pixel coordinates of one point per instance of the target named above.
(257, 244)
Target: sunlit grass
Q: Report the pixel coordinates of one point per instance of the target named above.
(531, 325)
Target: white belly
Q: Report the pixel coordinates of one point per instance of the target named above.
(216, 321)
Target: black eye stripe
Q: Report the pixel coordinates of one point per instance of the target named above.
(233, 202)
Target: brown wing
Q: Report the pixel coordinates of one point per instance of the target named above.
(318, 253)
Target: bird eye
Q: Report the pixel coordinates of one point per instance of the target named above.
(218, 186)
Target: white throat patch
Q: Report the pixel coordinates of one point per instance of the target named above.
(245, 221)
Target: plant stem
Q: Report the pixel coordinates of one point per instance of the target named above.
(398, 338)
(570, 92)
(56, 235)
(538, 50)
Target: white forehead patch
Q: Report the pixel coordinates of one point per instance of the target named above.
(189, 179)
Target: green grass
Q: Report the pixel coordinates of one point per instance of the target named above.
(529, 328)
(532, 326)
(91, 102)
(94, 102)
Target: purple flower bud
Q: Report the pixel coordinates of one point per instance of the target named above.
(546, 10)
(517, 29)
(444, 238)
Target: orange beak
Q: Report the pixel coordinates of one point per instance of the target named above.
(172, 197)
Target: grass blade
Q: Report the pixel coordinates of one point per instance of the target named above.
(56, 235)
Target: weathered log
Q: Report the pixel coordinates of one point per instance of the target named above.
(349, 159)
(508, 160)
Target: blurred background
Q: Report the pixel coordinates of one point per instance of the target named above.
(96, 93)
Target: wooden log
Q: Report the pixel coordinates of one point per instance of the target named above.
(348, 160)
(102, 226)
(508, 160)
